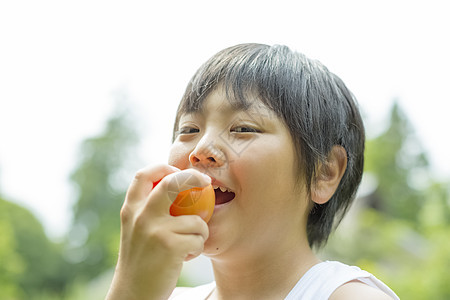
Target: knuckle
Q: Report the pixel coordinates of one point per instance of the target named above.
(198, 243)
(125, 214)
(200, 223)
(162, 238)
(169, 244)
(152, 233)
(139, 175)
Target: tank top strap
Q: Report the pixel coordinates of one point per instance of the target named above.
(319, 282)
(198, 293)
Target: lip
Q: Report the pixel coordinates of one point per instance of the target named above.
(224, 196)
(214, 181)
(219, 207)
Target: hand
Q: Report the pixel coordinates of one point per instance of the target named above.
(154, 244)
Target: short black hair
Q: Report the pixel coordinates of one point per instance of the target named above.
(318, 109)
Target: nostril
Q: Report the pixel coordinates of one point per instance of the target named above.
(195, 159)
(209, 159)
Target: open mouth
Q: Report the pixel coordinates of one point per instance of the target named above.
(223, 194)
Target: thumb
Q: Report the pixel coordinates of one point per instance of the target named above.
(171, 185)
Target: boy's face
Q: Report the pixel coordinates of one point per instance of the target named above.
(250, 153)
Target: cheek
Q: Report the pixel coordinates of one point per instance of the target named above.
(179, 156)
(271, 179)
(259, 183)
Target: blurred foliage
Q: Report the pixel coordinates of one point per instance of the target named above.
(101, 181)
(31, 265)
(400, 231)
(12, 264)
(400, 167)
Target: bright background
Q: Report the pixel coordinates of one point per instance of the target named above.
(63, 64)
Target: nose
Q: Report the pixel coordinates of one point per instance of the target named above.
(207, 154)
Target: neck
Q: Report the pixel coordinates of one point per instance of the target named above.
(267, 274)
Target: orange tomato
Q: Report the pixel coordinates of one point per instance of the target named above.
(195, 201)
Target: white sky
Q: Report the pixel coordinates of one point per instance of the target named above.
(61, 62)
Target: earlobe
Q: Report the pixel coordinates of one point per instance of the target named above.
(329, 175)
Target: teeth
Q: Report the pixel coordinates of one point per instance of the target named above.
(223, 189)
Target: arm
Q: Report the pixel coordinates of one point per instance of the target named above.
(154, 244)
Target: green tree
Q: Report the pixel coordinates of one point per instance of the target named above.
(31, 265)
(397, 160)
(413, 262)
(400, 231)
(100, 181)
(12, 265)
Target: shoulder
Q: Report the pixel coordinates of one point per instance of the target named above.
(356, 289)
(335, 280)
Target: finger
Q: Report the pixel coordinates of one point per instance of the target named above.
(144, 179)
(190, 224)
(170, 186)
(190, 245)
(194, 254)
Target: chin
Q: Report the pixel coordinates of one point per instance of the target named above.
(212, 245)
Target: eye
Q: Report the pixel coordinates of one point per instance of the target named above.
(188, 130)
(244, 129)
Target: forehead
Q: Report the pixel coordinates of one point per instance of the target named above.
(220, 101)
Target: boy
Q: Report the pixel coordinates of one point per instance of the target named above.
(282, 141)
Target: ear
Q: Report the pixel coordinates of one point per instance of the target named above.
(329, 175)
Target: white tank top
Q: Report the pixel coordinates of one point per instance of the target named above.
(318, 283)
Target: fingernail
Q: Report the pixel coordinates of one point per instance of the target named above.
(207, 178)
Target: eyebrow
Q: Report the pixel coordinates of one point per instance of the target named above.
(254, 107)
(250, 106)
(256, 110)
